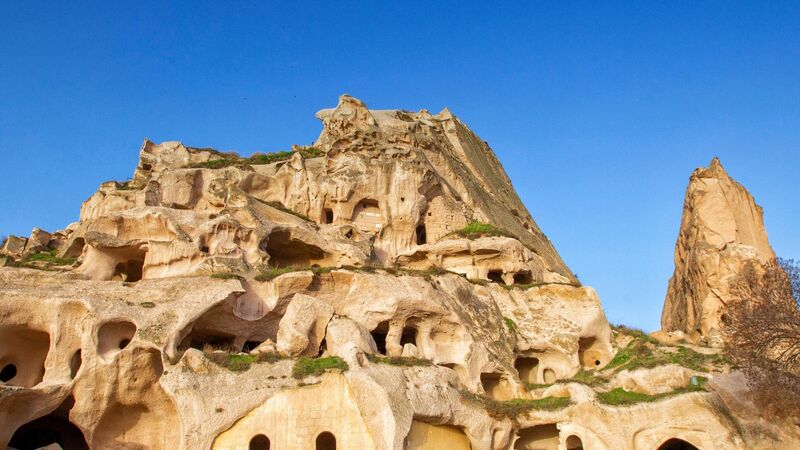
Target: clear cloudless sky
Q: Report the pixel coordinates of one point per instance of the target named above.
(599, 111)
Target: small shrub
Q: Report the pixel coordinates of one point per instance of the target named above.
(240, 363)
(510, 324)
(306, 367)
(147, 305)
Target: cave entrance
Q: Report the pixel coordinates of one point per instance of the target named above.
(543, 437)
(524, 277)
(574, 443)
(421, 235)
(676, 444)
(379, 336)
(259, 442)
(54, 428)
(528, 369)
(367, 216)
(496, 386)
(496, 276)
(327, 216)
(114, 336)
(23, 352)
(326, 441)
(129, 263)
(207, 340)
(284, 251)
(589, 352)
(409, 335)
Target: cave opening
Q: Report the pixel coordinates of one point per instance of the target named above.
(524, 277)
(54, 428)
(496, 276)
(528, 369)
(379, 336)
(421, 235)
(284, 251)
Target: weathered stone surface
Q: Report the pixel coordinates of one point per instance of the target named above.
(722, 230)
(302, 328)
(201, 282)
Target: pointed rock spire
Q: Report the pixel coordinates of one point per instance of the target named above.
(721, 230)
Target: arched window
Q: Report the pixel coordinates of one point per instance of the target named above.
(677, 444)
(259, 442)
(326, 441)
(574, 443)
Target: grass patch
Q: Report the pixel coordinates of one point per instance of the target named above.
(306, 367)
(226, 276)
(49, 258)
(510, 324)
(643, 352)
(475, 229)
(621, 397)
(237, 362)
(231, 159)
(399, 360)
(515, 407)
(587, 378)
(240, 363)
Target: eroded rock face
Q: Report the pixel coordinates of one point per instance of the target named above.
(722, 230)
(217, 302)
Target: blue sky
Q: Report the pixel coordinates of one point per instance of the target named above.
(599, 111)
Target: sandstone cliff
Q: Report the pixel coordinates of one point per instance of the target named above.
(722, 229)
(382, 289)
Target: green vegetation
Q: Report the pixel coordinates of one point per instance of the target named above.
(588, 378)
(47, 259)
(232, 159)
(620, 396)
(399, 271)
(510, 324)
(226, 276)
(644, 352)
(237, 362)
(240, 363)
(515, 407)
(476, 229)
(399, 360)
(306, 367)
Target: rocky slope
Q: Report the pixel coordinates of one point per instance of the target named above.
(384, 288)
(721, 231)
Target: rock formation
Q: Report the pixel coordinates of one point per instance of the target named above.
(384, 288)
(722, 230)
